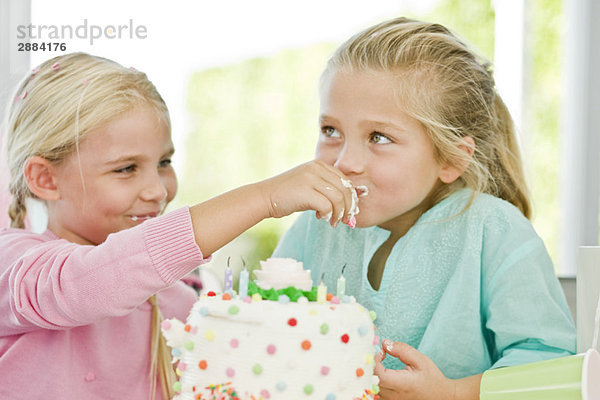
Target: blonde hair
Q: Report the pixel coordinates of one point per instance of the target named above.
(55, 107)
(450, 90)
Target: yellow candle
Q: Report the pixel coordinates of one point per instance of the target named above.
(321, 293)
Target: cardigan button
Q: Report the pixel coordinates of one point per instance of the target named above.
(90, 377)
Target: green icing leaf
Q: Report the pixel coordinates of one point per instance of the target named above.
(293, 293)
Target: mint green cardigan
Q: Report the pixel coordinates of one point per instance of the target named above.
(472, 290)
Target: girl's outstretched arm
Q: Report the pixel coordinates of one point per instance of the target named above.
(311, 186)
(421, 378)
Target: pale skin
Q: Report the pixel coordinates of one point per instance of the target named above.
(367, 136)
(123, 176)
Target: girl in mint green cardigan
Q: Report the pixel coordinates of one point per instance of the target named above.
(444, 251)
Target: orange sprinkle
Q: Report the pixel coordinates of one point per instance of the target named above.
(202, 364)
(226, 296)
(187, 328)
(329, 296)
(306, 345)
(359, 372)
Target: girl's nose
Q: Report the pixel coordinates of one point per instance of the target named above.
(155, 189)
(350, 160)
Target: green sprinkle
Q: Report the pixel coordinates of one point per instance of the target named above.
(257, 369)
(375, 389)
(373, 315)
(308, 389)
(177, 386)
(189, 345)
(324, 329)
(233, 310)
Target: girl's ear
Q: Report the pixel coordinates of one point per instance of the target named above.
(40, 177)
(450, 173)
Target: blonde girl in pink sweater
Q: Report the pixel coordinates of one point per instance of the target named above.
(81, 303)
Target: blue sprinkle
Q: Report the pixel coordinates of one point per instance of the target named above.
(175, 352)
(346, 299)
(330, 396)
(363, 330)
(281, 386)
(203, 311)
(283, 299)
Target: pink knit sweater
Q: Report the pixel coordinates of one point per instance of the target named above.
(75, 320)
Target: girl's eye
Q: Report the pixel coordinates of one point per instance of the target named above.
(164, 163)
(330, 132)
(379, 138)
(126, 170)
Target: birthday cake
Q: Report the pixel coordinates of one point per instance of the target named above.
(275, 341)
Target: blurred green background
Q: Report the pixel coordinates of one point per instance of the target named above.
(257, 118)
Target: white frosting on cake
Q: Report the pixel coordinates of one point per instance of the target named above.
(280, 273)
(273, 350)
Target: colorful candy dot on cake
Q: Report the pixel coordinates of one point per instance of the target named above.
(335, 300)
(226, 296)
(166, 325)
(230, 372)
(177, 387)
(209, 335)
(187, 328)
(375, 389)
(330, 396)
(265, 393)
(211, 294)
(283, 299)
(359, 372)
(306, 345)
(346, 299)
(202, 364)
(175, 352)
(363, 330)
(302, 300)
(256, 297)
(181, 366)
(369, 359)
(234, 343)
(233, 310)
(281, 386)
(376, 340)
(373, 315)
(329, 296)
(189, 345)
(345, 338)
(292, 322)
(271, 349)
(257, 369)
(324, 328)
(308, 389)
(247, 299)
(203, 311)
(325, 370)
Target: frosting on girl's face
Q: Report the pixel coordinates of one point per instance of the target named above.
(122, 177)
(366, 134)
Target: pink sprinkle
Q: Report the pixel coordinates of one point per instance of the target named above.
(230, 372)
(182, 366)
(55, 66)
(376, 340)
(133, 69)
(35, 70)
(265, 393)
(84, 81)
(324, 370)
(166, 325)
(247, 299)
(335, 300)
(194, 330)
(23, 95)
(234, 343)
(271, 349)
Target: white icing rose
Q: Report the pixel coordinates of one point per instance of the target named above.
(280, 273)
